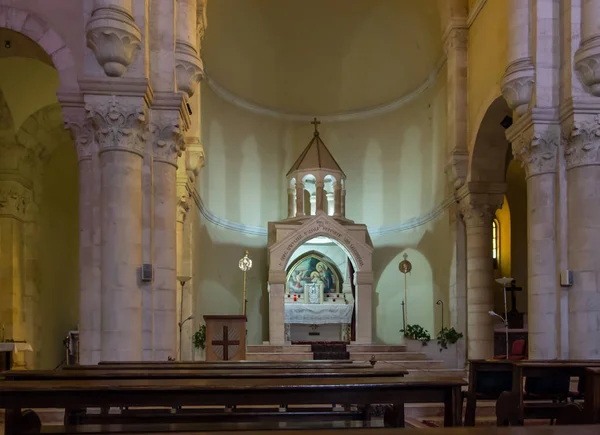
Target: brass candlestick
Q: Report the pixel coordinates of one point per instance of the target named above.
(245, 265)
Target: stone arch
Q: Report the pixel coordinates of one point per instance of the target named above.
(39, 31)
(488, 159)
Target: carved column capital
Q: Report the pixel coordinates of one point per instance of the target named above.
(82, 132)
(167, 140)
(587, 65)
(114, 38)
(15, 200)
(537, 151)
(479, 209)
(118, 126)
(457, 38)
(517, 85)
(582, 141)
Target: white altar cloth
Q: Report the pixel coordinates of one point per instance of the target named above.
(318, 314)
(15, 347)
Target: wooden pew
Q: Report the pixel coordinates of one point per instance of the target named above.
(232, 363)
(111, 373)
(266, 365)
(592, 396)
(73, 394)
(511, 409)
(304, 428)
(487, 380)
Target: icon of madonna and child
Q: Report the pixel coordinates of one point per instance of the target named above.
(311, 270)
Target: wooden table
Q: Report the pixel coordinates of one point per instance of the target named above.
(74, 394)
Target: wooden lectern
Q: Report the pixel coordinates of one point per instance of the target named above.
(225, 337)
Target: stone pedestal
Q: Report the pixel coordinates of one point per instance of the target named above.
(225, 337)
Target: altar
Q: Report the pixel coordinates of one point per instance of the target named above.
(318, 322)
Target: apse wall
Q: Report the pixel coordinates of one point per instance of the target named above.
(394, 165)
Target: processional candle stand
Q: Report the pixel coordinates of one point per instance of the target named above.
(245, 265)
(182, 280)
(405, 267)
(504, 282)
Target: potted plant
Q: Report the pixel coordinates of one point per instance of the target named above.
(416, 337)
(448, 336)
(199, 340)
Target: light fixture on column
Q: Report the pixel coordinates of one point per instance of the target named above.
(182, 280)
(504, 282)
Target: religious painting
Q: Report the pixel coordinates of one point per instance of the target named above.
(312, 269)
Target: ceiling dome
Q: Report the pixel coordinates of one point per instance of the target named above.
(318, 57)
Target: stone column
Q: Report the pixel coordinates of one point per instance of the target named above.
(299, 198)
(517, 83)
(364, 303)
(319, 185)
(90, 299)
(113, 35)
(587, 58)
(343, 203)
(337, 199)
(168, 143)
(538, 154)
(291, 201)
(583, 203)
(120, 127)
(478, 215)
(276, 308)
(330, 203)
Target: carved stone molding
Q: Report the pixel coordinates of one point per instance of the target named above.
(537, 152)
(118, 126)
(582, 142)
(188, 67)
(587, 65)
(14, 200)
(477, 215)
(167, 141)
(517, 85)
(81, 129)
(114, 38)
(478, 203)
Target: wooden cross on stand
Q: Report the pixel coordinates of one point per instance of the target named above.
(226, 342)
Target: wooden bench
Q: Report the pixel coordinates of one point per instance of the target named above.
(592, 396)
(81, 394)
(231, 363)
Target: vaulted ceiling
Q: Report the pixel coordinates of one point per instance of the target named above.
(321, 56)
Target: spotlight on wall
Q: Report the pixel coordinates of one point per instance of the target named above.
(7, 43)
(506, 122)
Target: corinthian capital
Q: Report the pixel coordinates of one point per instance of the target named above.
(167, 140)
(587, 65)
(582, 142)
(119, 126)
(537, 152)
(81, 129)
(517, 85)
(114, 38)
(478, 207)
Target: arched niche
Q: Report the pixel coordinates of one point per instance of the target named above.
(286, 238)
